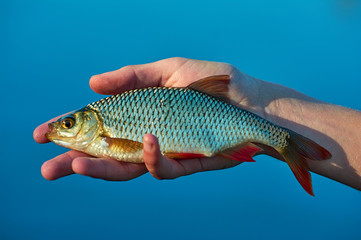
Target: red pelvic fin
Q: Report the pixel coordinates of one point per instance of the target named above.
(216, 86)
(243, 153)
(181, 156)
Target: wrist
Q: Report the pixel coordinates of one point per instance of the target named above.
(285, 106)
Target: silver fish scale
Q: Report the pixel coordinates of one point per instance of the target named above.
(184, 120)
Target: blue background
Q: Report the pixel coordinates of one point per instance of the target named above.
(49, 50)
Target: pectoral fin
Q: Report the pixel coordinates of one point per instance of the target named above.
(123, 149)
(122, 144)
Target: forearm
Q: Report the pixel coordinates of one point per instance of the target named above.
(334, 127)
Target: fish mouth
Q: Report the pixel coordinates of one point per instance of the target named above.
(52, 131)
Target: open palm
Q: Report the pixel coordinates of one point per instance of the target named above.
(173, 72)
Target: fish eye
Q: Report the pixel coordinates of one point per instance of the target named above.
(68, 123)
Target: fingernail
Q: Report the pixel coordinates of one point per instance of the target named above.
(148, 146)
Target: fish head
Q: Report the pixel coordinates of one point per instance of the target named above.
(75, 130)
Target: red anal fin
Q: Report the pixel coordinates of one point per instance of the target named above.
(216, 86)
(182, 156)
(243, 153)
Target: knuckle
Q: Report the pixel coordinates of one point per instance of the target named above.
(177, 59)
(128, 68)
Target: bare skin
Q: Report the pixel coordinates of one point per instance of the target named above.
(332, 126)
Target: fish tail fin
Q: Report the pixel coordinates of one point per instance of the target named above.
(298, 151)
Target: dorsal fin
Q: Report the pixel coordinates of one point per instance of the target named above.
(216, 86)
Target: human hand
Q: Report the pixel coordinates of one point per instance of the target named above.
(173, 72)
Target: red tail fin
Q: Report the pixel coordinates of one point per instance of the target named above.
(297, 152)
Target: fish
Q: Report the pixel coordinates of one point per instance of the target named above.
(195, 121)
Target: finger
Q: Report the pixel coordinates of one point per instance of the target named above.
(159, 166)
(136, 76)
(107, 169)
(41, 130)
(60, 166)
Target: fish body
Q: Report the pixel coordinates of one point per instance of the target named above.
(184, 120)
(196, 121)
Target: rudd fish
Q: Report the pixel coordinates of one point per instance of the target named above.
(191, 122)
